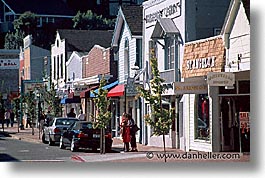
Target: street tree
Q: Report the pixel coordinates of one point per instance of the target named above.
(159, 118)
(52, 101)
(30, 102)
(91, 21)
(103, 115)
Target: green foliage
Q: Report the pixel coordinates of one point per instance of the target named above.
(102, 104)
(52, 101)
(159, 119)
(26, 24)
(29, 99)
(91, 21)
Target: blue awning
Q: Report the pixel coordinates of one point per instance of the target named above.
(70, 100)
(109, 86)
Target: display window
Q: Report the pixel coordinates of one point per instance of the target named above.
(201, 121)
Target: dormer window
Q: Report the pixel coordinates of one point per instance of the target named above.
(57, 43)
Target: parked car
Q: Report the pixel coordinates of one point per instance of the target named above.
(81, 134)
(52, 131)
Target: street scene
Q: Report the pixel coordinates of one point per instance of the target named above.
(125, 81)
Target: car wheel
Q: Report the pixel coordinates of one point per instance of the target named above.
(51, 143)
(62, 146)
(73, 147)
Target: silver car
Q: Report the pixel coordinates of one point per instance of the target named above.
(52, 131)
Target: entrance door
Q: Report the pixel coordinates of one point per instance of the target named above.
(229, 124)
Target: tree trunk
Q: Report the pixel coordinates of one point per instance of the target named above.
(164, 142)
(102, 141)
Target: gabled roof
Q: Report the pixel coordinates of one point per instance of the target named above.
(84, 40)
(40, 7)
(232, 12)
(133, 15)
(164, 26)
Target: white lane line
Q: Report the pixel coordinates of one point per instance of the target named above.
(42, 160)
(23, 151)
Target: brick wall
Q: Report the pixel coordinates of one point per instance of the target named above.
(203, 51)
(98, 61)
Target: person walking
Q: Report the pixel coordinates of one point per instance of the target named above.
(28, 122)
(71, 113)
(133, 129)
(81, 116)
(12, 117)
(125, 132)
(7, 118)
(42, 121)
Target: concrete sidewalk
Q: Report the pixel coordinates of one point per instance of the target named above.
(145, 154)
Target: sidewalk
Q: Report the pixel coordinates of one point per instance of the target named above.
(145, 154)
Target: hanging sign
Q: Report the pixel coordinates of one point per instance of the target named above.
(220, 79)
(9, 63)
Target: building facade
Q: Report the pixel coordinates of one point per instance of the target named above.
(167, 26)
(127, 47)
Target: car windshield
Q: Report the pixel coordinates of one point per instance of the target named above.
(64, 121)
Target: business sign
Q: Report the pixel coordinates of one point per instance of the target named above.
(130, 87)
(31, 86)
(190, 88)
(220, 79)
(9, 63)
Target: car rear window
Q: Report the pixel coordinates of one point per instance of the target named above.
(86, 126)
(64, 121)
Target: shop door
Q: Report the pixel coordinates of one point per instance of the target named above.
(229, 124)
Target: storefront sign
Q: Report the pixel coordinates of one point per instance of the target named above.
(31, 86)
(244, 120)
(220, 79)
(190, 88)
(173, 9)
(9, 63)
(202, 63)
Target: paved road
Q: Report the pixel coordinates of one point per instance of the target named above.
(18, 150)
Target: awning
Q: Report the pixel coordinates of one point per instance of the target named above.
(164, 26)
(109, 86)
(70, 100)
(116, 91)
(85, 93)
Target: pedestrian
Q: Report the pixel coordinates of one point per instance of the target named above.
(12, 117)
(28, 121)
(7, 118)
(133, 129)
(125, 132)
(71, 113)
(2, 117)
(42, 120)
(81, 116)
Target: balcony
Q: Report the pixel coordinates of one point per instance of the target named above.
(168, 75)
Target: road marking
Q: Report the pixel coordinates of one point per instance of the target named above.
(23, 151)
(43, 160)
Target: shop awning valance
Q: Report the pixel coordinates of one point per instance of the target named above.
(117, 91)
(106, 87)
(70, 100)
(86, 93)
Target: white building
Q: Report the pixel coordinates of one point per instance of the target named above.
(167, 26)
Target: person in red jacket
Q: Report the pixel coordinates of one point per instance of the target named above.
(125, 131)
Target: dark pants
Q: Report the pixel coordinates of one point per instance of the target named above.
(126, 146)
(133, 141)
(28, 123)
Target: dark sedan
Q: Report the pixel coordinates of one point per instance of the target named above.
(81, 134)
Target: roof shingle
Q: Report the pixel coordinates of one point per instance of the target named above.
(84, 40)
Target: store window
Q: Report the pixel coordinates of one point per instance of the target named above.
(201, 121)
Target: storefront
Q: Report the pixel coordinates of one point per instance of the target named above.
(204, 59)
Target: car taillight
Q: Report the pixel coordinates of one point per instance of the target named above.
(108, 135)
(56, 130)
(81, 135)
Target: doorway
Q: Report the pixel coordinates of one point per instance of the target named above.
(231, 106)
